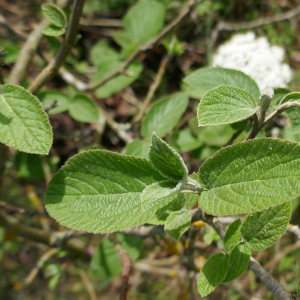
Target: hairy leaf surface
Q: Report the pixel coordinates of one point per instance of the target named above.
(238, 262)
(177, 223)
(232, 236)
(262, 229)
(206, 79)
(164, 115)
(213, 273)
(250, 176)
(100, 191)
(225, 105)
(166, 160)
(23, 123)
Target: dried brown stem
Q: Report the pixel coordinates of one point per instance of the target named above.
(87, 283)
(153, 87)
(101, 22)
(29, 49)
(142, 48)
(253, 24)
(70, 39)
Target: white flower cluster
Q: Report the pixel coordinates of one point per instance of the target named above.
(256, 58)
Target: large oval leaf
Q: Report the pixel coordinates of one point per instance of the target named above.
(250, 176)
(262, 229)
(100, 191)
(205, 79)
(164, 115)
(23, 123)
(225, 105)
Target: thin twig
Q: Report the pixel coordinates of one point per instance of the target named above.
(252, 24)
(29, 49)
(142, 48)
(87, 283)
(153, 87)
(13, 28)
(70, 39)
(274, 286)
(101, 22)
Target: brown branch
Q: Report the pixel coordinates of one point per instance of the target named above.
(101, 22)
(29, 49)
(152, 89)
(13, 28)
(274, 286)
(70, 39)
(87, 283)
(253, 24)
(142, 48)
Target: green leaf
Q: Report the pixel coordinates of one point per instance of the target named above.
(184, 141)
(84, 109)
(293, 115)
(102, 51)
(225, 105)
(131, 244)
(262, 229)
(238, 262)
(159, 190)
(49, 97)
(23, 123)
(166, 160)
(119, 82)
(212, 273)
(232, 236)
(52, 30)
(205, 79)
(55, 15)
(105, 261)
(250, 176)
(138, 148)
(164, 115)
(298, 289)
(177, 223)
(100, 191)
(142, 22)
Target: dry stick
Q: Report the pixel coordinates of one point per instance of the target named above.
(70, 39)
(256, 23)
(281, 108)
(13, 28)
(87, 283)
(274, 286)
(153, 87)
(142, 48)
(28, 50)
(101, 22)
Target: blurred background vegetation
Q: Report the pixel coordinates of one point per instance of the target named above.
(32, 270)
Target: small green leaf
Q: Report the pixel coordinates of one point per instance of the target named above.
(177, 223)
(119, 82)
(225, 105)
(238, 262)
(159, 190)
(105, 261)
(52, 30)
(212, 273)
(206, 79)
(131, 244)
(23, 123)
(55, 15)
(138, 148)
(166, 160)
(102, 51)
(232, 236)
(84, 109)
(250, 176)
(49, 97)
(293, 114)
(142, 22)
(262, 229)
(164, 115)
(100, 191)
